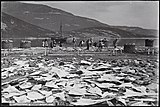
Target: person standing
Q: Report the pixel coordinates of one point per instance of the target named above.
(54, 43)
(74, 42)
(115, 43)
(95, 44)
(105, 42)
(115, 47)
(91, 42)
(60, 44)
(46, 46)
(43, 43)
(88, 44)
(51, 44)
(81, 43)
(100, 46)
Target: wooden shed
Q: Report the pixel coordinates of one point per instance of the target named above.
(25, 44)
(149, 42)
(129, 48)
(7, 44)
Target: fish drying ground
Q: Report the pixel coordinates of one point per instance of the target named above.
(80, 79)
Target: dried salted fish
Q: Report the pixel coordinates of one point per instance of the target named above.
(41, 65)
(142, 89)
(125, 69)
(80, 85)
(21, 99)
(35, 73)
(83, 62)
(34, 95)
(62, 83)
(4, 100)
(36, 87)
(108, 77)
(95, 90)
(48, 78)
(122, 100)
(21, 62)
(26, 85)
(145, 99)
(45, 93)
(116, 68)
(86, 72)
(130, 93)
(59, 72)
(73, 76)
(119, 77)
(140, 104)
(39, 78)
(69, 65)
(8, 95)
(50, 99)
(10, 89)
(51, 84)
(61, 95)
(100, 68)
(51, 64)
(77, 91)
(110, 81)
(129, 85)
(83, 101)
(39, 102)
(10, 69)
(108, 94)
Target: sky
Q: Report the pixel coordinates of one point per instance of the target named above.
(140, 14)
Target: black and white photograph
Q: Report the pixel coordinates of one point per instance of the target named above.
(80, 53)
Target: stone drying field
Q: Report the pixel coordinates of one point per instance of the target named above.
(86, 81)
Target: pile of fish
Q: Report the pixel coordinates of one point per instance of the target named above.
(122, 82)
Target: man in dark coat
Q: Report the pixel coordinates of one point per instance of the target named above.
(88, 44)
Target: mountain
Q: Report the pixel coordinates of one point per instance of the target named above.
(48, 17)
(101, 32)
(138, 30)
(12, 27)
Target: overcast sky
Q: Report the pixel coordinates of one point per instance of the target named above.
(142, 14)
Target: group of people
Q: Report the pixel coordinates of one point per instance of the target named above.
(89, 43)
(51, 43)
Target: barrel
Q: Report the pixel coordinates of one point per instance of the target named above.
(7, 44)
(25, 44)
(129, 48)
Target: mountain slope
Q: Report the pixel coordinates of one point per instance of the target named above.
(47, 17)
(138, 30)
(102, 32)
(12, 27)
